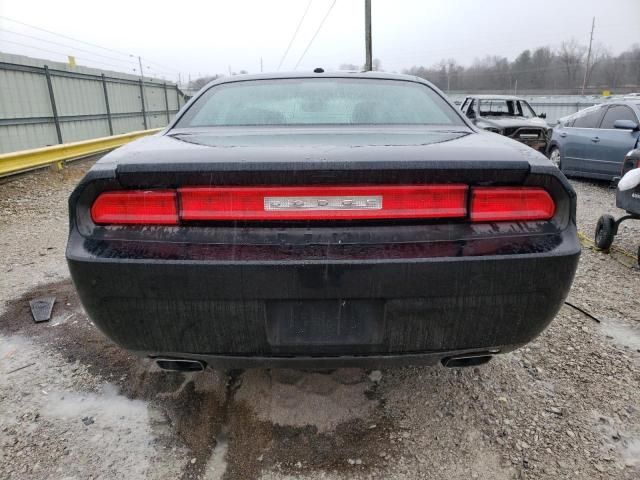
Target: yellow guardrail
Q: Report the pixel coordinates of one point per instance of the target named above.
(16, 162)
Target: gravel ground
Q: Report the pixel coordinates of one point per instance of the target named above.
(566, 406)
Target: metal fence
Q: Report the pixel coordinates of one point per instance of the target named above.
(51, 103)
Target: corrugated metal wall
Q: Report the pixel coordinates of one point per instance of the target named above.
(26, 105)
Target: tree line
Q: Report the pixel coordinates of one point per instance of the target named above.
(562, 70)
(550, 70)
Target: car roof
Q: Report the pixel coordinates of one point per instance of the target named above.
(632, 102)
(495, 97)
(312, 74)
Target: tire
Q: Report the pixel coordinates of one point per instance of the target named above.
(555, 157)
(605, 231)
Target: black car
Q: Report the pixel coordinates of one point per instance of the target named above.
(322, 219)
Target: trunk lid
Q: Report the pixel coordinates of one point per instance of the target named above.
(286, 156)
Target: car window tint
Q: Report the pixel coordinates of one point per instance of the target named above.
(588, 118)
(617, 112)
(332, 101)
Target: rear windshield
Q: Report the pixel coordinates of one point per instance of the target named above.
(323, 101)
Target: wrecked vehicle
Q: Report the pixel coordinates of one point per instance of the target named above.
(510, 116)
(322, 219)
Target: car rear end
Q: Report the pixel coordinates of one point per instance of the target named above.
(323, 247)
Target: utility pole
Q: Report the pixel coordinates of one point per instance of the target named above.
(144, 114)
(260, 64)
(368, 65)
(586, 70)
(141, 71)
(448, 70)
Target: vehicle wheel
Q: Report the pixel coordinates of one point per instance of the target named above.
(605, 231)
(555, 157)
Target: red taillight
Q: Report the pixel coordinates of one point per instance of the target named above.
(495, 204)
(323, 203)
(160, 207)
(135, 207)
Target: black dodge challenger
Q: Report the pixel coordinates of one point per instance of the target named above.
(322, 220)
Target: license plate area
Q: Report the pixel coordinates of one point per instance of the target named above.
(325, 322)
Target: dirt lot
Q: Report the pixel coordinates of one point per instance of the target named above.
(74, 406)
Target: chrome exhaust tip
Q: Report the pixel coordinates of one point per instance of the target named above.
(180, 364)
(468, 360)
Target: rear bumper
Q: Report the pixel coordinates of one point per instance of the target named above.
(332, 312)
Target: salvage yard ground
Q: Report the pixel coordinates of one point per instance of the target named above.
(74, 406)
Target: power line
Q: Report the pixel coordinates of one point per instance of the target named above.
(61, 53)
(284, 55)
(64, 45)
(315, 34)
(64, 36)
(120, 68)
(171, 69)
(80, 41)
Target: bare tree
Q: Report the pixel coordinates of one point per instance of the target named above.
(571, 55)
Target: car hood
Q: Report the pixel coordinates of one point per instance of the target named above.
(504, 122)
(343, 146)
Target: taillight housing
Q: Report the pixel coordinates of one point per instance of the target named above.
(136, 207)
(323, 203)
(500, 204)
(294, 203)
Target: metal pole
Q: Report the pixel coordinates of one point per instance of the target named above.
(106, 103)
(178, 97)
(144, 112)
(144, 115)
(166, 102)
(54, 109)
(586, 70)
(368, 65)
(141, 71)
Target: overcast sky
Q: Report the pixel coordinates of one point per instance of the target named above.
(207, 37)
